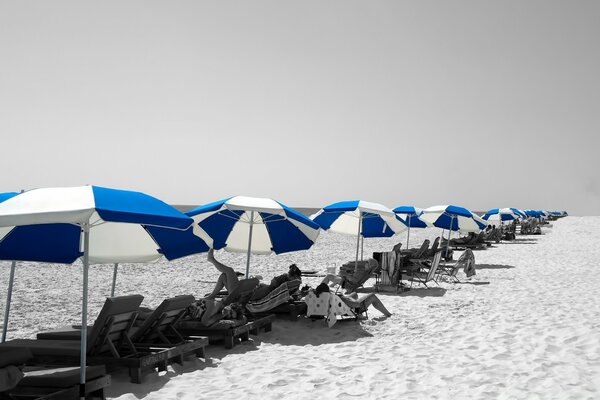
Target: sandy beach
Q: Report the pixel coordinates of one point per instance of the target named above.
(525, 327)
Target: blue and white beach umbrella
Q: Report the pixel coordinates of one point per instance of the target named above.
(411, 219)
(499, 215)
(254, 225)
(518, 212)
(533, 213)
(96, 224)
(360, 218)
(453, 218)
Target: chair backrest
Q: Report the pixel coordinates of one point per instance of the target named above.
(164, 317)
(353, 282)
(419, 253)
(113, 323)
(434, 247)
(481, 237)
(242, 292)
(434, 265)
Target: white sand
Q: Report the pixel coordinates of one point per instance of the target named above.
(527, 326)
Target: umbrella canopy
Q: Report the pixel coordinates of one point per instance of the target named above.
(361, 218)
(500, 215)
(254, 226)
(411, 216)
(411, 219)
(518, 212)
(533, 213)
(46, 225)
(98, 224)
(453, 218)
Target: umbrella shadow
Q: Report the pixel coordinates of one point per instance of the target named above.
(493, 266)
(313, 331)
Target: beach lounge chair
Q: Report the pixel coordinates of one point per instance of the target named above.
(449, 271)
(46, 383)
(108, 342)
(336, 307)
(158, 330)
(417, 253)
(328, 305)
(279, 301)
(423, 270)
(155, 328)
(429, 253)
(229, 332)
(354, 275)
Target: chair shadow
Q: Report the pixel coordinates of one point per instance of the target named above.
(424, 292)
(493, 266)
(153, 380)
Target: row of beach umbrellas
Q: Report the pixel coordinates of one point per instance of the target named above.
(102, 225)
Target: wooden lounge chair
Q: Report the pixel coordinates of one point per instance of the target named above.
(158, 329)
(49, 383)
(227, 331)
(108, 342)
(155, 329)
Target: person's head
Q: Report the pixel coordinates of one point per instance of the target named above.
(294, 272)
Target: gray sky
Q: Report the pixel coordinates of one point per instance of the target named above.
(476, 103)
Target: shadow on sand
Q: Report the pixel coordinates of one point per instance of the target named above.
(424, 292)
(493, 266)
(314, 332)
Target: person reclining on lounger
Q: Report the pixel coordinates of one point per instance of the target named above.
(215, 310)
(229, 279)
(471, 237)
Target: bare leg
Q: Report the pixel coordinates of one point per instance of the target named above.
(230, 279)
(218, 287)
(374, 300)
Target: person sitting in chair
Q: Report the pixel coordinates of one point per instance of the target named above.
(362, 303)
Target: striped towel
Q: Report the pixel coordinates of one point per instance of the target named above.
(280, 295)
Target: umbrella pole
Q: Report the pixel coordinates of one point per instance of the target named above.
(408, 233)
(362, 247)
(448, 241)
(249, 245)
(358, 239)
(84, 304)
(112, 290)
(8, 299)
